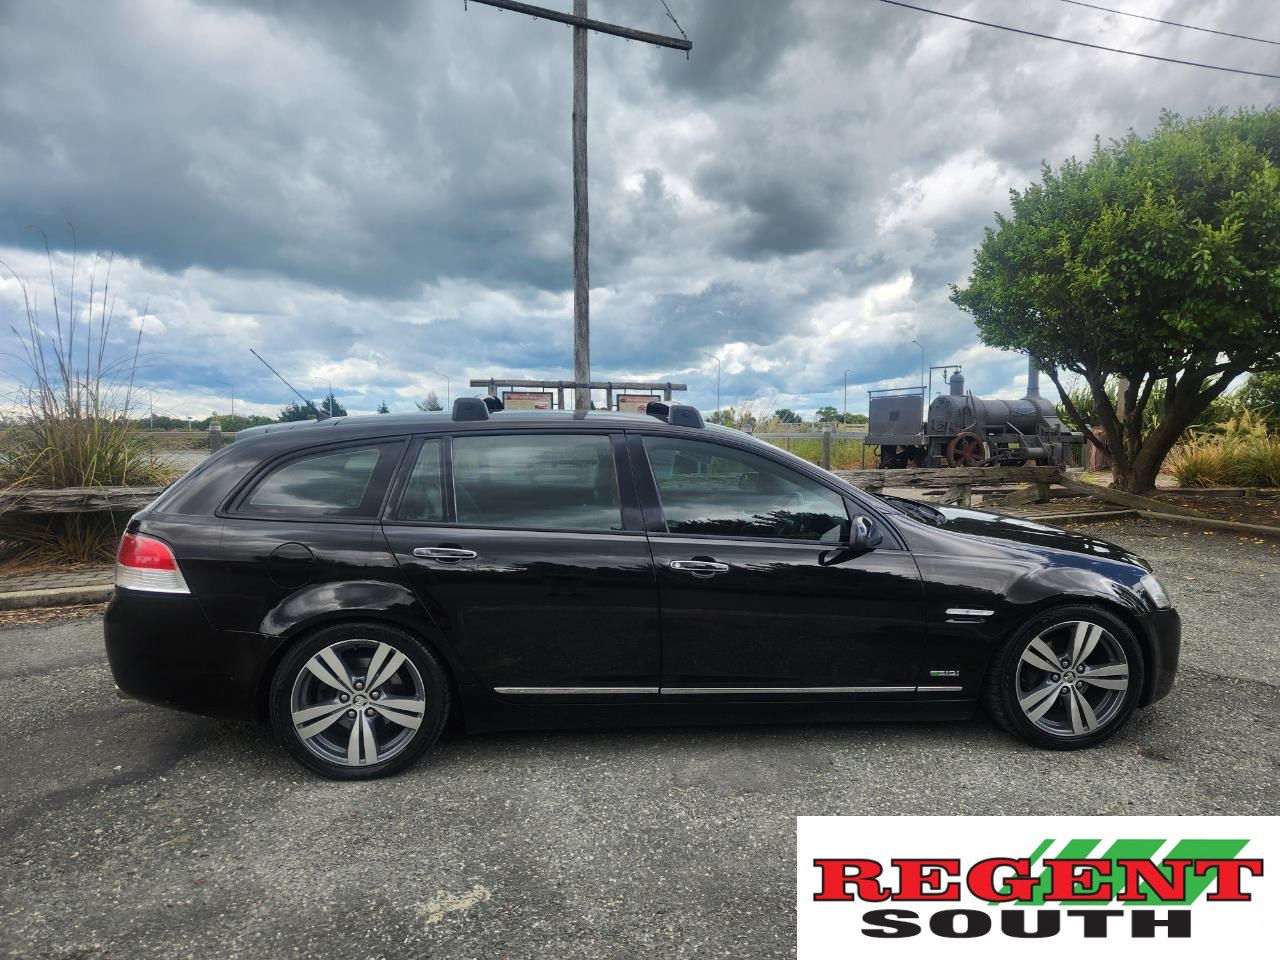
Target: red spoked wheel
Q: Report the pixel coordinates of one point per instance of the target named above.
(966, 449)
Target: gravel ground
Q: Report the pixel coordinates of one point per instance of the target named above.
(131, 832)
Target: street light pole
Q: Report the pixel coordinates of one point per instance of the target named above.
(845, 420)
(717, 360)
(448, 388)
(921, 346)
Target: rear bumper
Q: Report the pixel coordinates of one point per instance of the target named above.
(1164, 633)
(163, 650)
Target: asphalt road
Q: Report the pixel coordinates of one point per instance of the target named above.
(127, 831)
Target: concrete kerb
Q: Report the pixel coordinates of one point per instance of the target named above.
(56, 596)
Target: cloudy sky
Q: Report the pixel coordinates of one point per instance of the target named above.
(378, 195)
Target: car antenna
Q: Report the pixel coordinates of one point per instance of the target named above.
(320, 414)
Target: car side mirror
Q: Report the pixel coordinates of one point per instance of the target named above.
(860, 537)
(863, 534)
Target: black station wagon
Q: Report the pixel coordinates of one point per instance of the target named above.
(361, 580)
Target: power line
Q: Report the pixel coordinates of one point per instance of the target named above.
(1081, 43)
(673, 19)
(1170, 23)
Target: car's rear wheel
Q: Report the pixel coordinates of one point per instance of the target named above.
(1070, 678)
(358, 701)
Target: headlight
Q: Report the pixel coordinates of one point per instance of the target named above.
(1155, 592)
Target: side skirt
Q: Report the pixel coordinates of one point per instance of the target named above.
(484, 711)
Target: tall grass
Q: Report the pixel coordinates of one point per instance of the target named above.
(1243, 453)
(846, 452)
(70, 426)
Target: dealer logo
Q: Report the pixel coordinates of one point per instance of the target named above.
(1136, 888)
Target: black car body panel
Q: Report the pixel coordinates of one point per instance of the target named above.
(546, 627)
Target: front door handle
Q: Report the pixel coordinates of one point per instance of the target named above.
(443, 554)
(699, 568)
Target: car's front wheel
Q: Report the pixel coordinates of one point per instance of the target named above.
(1070, 678)
(358, 701)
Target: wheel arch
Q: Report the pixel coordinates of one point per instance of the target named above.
(1102, 600)
(301, 631)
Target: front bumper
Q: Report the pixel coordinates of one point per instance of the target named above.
(163, 650)
(1164, 637)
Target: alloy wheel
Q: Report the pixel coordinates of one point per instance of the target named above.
(357, 702)
(1072, 678)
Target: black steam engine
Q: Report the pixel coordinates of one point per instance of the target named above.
(962, 430)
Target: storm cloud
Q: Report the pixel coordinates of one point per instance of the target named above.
(376, 195)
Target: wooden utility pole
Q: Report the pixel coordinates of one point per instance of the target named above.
(581, 222)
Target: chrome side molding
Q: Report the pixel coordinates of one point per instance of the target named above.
(571, 691)
(707, 691)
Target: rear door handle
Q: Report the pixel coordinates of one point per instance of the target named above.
(444, 554)
(699, 568)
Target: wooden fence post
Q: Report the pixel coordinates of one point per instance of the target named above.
(826, 447)
(215, 436)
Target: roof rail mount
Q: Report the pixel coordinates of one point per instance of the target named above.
(470, 408)
(675, 413)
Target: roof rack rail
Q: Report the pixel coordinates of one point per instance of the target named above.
(470, 408)
(675, 413)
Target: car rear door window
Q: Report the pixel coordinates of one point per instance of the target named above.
(707, 488)
(423, 498)
(538, 481)
(346, 482)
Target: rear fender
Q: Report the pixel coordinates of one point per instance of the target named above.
(320, 604)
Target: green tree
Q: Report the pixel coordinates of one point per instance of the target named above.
(1156, 261)
(332, 406)
(383, 408)
(725, 416)
(786, 415)
(296, 411)
(231, 424)
(1262, 396)
(827, 414)
(429, 404)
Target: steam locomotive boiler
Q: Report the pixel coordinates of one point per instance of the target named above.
(962, 430)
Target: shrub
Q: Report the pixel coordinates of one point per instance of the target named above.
(72, 428)
(1258, 464)
(1242, 454)
(1197, 463)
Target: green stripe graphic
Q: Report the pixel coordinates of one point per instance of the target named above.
(1133, 849)
(1199, 850)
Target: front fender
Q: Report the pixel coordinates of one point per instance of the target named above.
(1055, 584)
(1158, 631)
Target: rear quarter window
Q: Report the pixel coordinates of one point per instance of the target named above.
(342, 482)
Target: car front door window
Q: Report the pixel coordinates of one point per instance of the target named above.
(711, 490)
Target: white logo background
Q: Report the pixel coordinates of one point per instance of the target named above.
(830, 930)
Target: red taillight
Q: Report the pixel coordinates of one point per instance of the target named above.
(146, 553)
(147, 564)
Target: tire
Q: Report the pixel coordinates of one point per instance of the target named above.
(1027, 698)
(400, 707)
